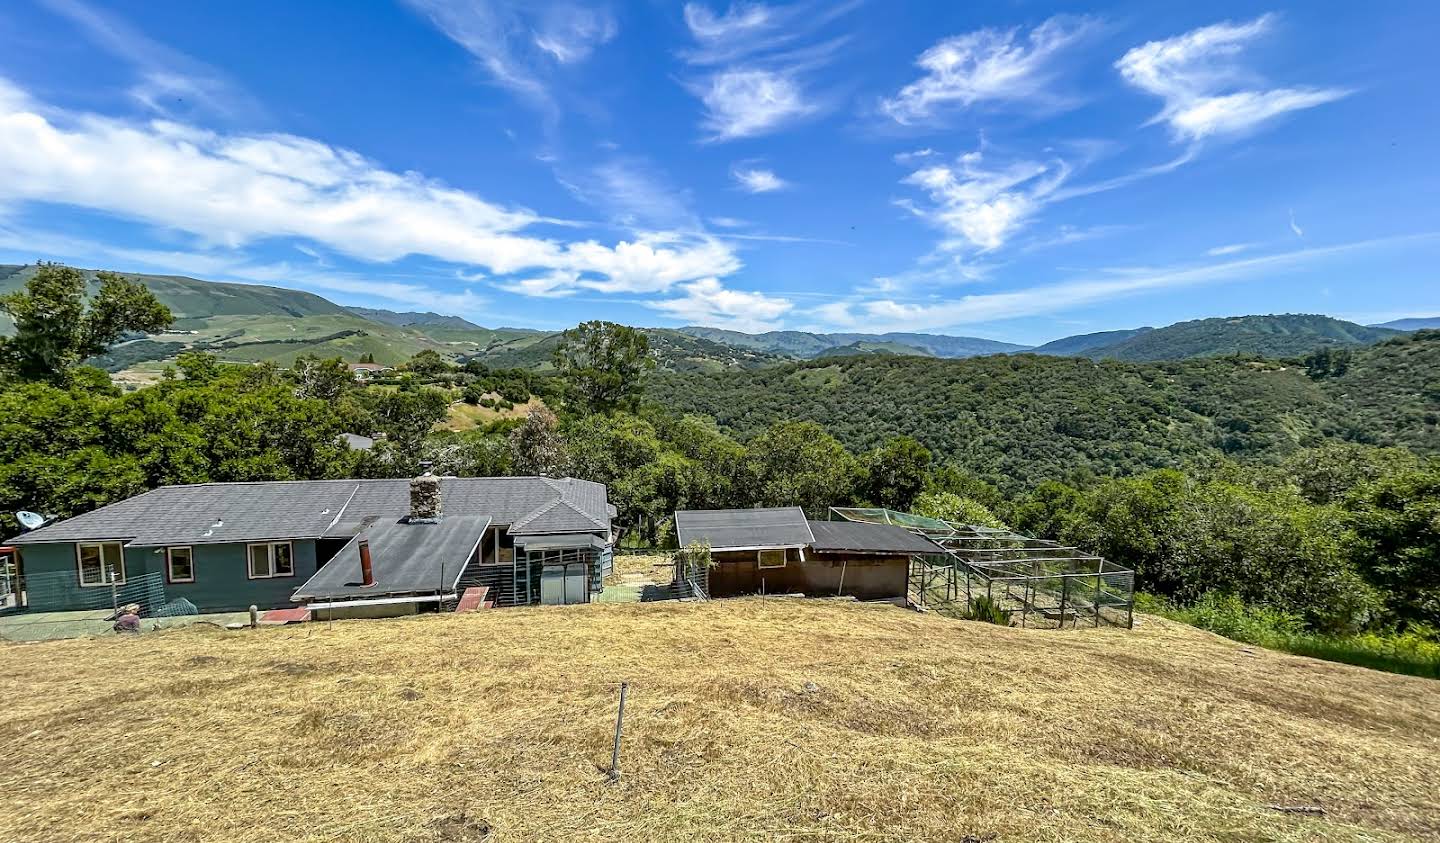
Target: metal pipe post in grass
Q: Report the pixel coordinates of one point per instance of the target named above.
(619, 727)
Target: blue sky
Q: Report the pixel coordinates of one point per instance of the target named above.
(1016, 170)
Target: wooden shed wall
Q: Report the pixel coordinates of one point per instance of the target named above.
(866, 577)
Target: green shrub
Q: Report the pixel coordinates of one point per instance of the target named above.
(984, 608)
(1415, 651)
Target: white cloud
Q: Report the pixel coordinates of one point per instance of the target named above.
(880, 315)
(234, 267)
(708, 302)
(236, 190)
(986, 65)
(1230, 249)
(748, 102)
(757, 180)
(1294, 226)
(981, 207)
(1206, 91)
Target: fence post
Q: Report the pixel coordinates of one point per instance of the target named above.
(114, 593)
(1064, 599)
(1097, 598)
(619, 727)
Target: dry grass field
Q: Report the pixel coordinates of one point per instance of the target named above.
(747, 720)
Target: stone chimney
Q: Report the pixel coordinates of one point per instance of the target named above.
(425, 507)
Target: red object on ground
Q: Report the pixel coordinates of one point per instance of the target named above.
(296, 615)
(473, 598)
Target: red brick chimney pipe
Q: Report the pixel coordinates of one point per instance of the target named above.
(367, 574)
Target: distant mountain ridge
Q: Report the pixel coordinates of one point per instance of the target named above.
(1282, 335)
(255, 323)
(1079, 344)
(804, 344)
(403, 319)
(1415, 323)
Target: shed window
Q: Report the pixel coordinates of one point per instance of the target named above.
(179, 564)
(772, 558)
(101, 563)
(272, 559)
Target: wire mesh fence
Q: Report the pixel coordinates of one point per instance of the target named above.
(1031, 582)
(52, 606)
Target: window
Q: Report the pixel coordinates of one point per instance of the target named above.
(100, 563)
(272, 559)
(179, 564)
(772, 558)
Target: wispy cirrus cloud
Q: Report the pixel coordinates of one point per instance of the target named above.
(753, 61)
(1230, 249)
(757, 179)
(988, 65)
(886, 314)
(708, 302)
(169, 82)
(238, 190)
(518, 43)
(1206, 91)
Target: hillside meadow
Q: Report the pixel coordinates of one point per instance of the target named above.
(746, 720)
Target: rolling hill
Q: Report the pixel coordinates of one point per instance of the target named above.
(1286, 335)
(1081, 344)
(673, 351)
(254, 323)
(746, 719)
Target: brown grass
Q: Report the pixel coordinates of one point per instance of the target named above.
(784, 719)
(462, 416)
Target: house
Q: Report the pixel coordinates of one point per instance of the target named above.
(365, 371)
(780, 551)
(344, 546)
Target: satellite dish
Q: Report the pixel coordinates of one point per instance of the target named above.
(30, 520)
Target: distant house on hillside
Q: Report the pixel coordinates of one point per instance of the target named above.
(780, 551)
(355, 547)
(365, 371)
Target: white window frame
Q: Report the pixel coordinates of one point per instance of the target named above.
(169, 564)
(80, 566)
(760, 556)
(270, 557)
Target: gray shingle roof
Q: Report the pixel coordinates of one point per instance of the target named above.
(405, 559)
(210, 513)
(842, 536)
(735, 529)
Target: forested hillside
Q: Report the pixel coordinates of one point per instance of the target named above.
(1267, 336)
(1020, 419)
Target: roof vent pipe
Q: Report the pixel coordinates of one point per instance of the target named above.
(367, 573)
(425, 504)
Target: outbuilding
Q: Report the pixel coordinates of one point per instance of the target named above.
(780, 551)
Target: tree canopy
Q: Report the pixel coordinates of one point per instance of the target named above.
(603, 364)
(56, 329)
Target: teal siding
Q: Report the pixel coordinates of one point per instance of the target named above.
(221, 577)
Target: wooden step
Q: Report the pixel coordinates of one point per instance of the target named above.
(473, 599)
